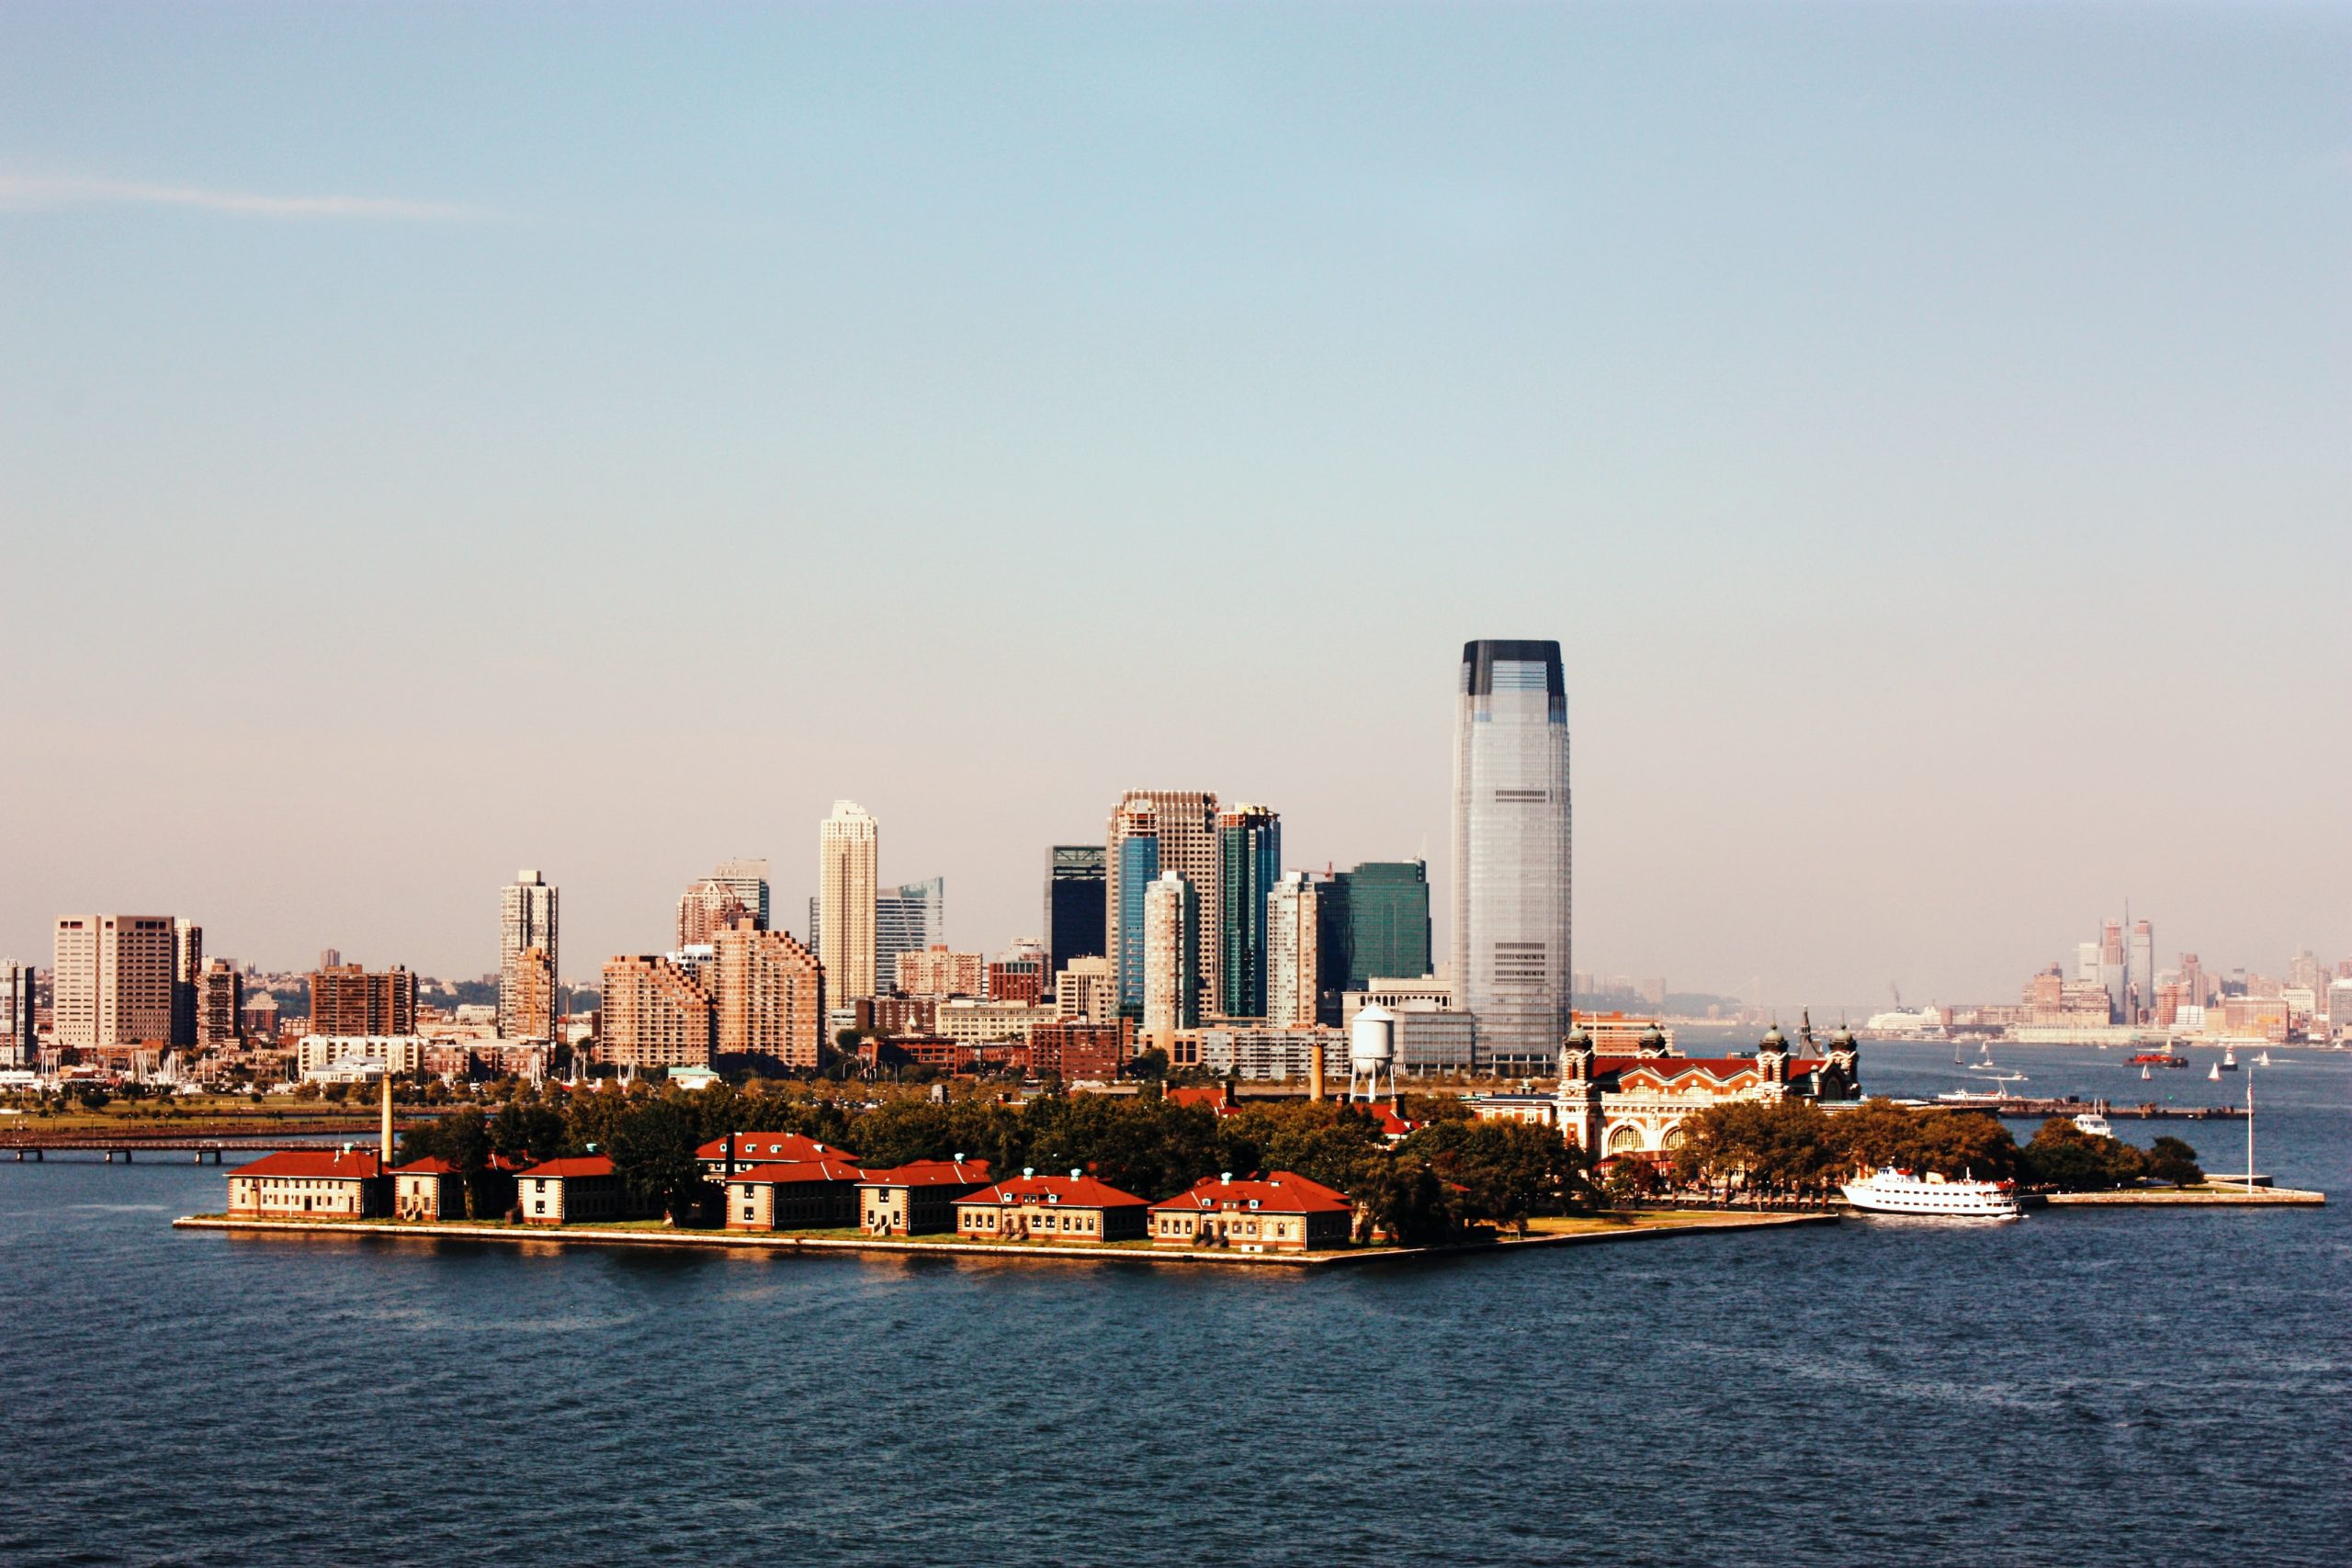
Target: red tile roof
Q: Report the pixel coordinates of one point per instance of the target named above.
(1073, 1192)
(431, 1165)
(1213, 1098)
(1283, 1192)
(785, 1171)
(314, 1163)
(751, 1148)
(932, 1173)
(1721, 1068)
(578, 1164)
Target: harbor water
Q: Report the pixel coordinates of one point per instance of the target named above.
(2149, 1386)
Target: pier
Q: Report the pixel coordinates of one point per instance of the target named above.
(2070, 1106)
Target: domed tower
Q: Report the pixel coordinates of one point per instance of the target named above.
(1773, 1055)
(1652, 1042)
(1577, 1100)
(1842, 1078)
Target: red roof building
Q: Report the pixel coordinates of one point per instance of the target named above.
(581, 1189)
(917, 1198)
(1281, 1213)
(722, 1158)
(297, 1184)
(1073, 1208)
(428, 1188)
(807, 1194)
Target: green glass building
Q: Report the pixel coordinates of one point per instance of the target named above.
(1376, 921)
(1249, 850)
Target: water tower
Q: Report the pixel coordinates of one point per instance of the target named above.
(1372, 1052)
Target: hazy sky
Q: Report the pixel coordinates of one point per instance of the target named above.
(435, 440)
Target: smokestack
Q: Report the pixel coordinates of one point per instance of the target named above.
(1314, 1071)
(388, 1116)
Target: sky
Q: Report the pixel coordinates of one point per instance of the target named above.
(437, 440)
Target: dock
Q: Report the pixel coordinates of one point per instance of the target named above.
(2072, 1106)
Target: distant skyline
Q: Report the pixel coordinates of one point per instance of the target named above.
(435, 442)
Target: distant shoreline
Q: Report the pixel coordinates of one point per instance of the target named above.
(1664, 1224)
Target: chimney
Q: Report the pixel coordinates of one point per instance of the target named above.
(1226, 1177)
(1314, 1071)
(386, 1161)
(1073, 1173)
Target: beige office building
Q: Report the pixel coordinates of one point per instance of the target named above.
(1185, 824)
(771, 996)
(113, 981)
(527, 920)
(1294, 958)
(1170, 959)
(655, 1015)
(1083, 992)
(849, 860)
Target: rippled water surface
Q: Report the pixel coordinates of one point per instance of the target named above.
(2147, 1387)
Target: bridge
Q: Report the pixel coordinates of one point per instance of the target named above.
(128, 1144)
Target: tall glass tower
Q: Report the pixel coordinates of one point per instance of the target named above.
(1249, 846)
(1510, 852)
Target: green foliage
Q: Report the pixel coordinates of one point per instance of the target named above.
(2063, 1156)
(2170, 1159)
(653, 1150)
(1502, 1172)
(1795, 1146)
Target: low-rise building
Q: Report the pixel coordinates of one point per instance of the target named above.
(348, 1058)
(816, 1194)
(579, 1190)
(970, 1021)
(1281, 1213)
(917, 1198)
(1073, 1208)
(722, 1158)
(343, 1184)
(1075, 1050)
(428, 1188)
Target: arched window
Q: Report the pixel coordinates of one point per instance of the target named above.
(1626, 1139)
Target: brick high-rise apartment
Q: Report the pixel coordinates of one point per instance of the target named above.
(536, 1006)
(348, 1000)
(771, 996)
(937, 971)
(113, 983)
(653, 1016)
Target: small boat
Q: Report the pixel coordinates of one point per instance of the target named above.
(1971, 1097)
(1891, 1191)
(2215, 1075)
(2094, 1124)
(2228, 1062)
(2262, 1060)
(2143, 1074)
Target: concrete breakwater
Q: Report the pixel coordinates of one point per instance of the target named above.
(1633, 1227)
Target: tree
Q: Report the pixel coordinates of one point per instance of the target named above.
(654, 1151)
(2170, 1159)
(2061, 1155)
(1504, 1171)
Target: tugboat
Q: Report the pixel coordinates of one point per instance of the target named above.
(1891, 1191)
(2228, 1062)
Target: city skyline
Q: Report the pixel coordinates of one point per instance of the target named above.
(1877, 462)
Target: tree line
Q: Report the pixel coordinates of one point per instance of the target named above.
(1450, 1176)
(1792, 1145)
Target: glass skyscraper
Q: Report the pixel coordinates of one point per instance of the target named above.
(1138, 868)
(1075, 925)
(1249, 852)
(1377, 921)
(1511, 851)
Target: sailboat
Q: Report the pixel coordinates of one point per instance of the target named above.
(2143, 1074)
(2214, 1075)
(2262, 1060)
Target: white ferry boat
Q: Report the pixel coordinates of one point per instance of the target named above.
(1891, 1191)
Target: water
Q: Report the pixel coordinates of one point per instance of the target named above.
(2154, 1387)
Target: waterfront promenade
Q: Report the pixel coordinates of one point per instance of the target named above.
(1544, 1233)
